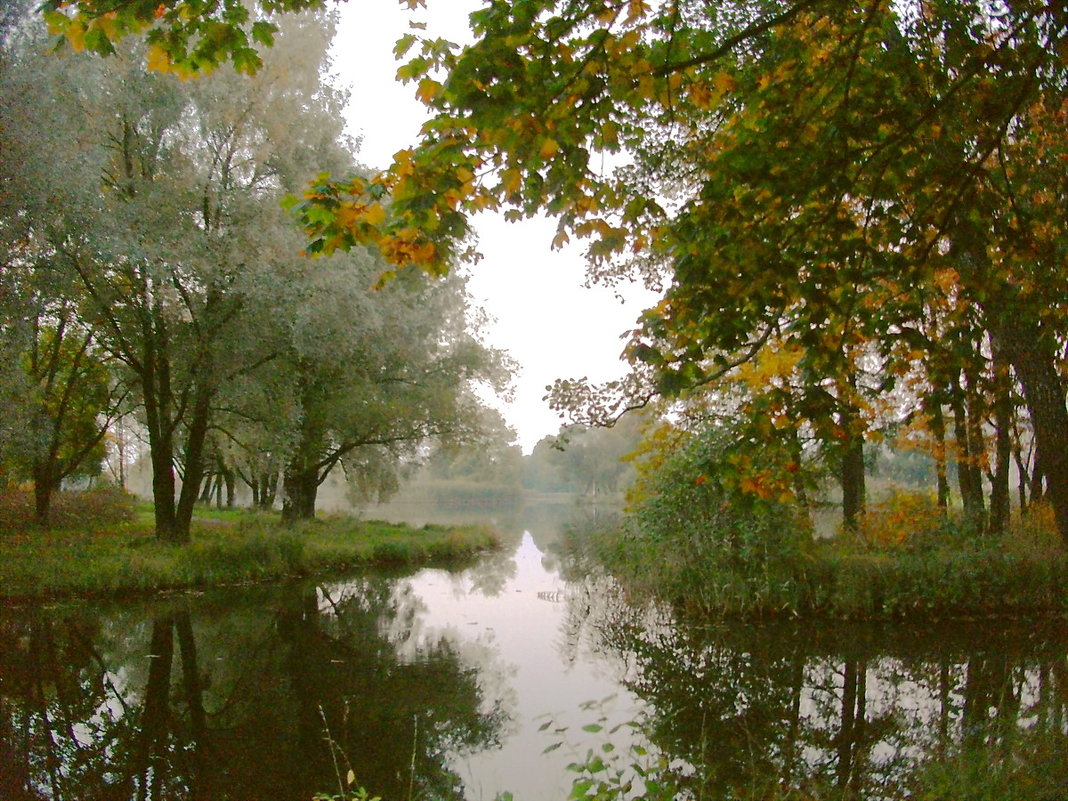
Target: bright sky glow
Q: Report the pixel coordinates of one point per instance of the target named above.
(543, 316)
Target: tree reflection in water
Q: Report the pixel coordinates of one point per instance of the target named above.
(824, 710)
(213, 699)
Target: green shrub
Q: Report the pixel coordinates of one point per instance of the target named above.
(715, 534)
(84, 510)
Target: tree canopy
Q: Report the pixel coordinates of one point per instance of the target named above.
(141, 218)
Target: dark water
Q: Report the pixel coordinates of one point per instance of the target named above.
(470, 683)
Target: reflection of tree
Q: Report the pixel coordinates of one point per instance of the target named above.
(857, 712)
(70, 730)
(492, 571)
(385, 716)
(229, 701)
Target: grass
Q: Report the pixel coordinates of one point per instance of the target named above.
(914, 563)
(104, 545)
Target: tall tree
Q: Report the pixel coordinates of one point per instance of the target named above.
(180, 249)
(375, 375)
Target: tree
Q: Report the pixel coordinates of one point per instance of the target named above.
(375, 375)
(62, 392)
(584, 459)
(72, 401)
(186, 241)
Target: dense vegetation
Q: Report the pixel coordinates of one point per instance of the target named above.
(851, 253)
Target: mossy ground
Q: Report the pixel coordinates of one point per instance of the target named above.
(103, 544)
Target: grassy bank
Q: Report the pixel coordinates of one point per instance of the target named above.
(103, 544)
(922, 565)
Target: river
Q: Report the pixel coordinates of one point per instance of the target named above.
(493, 679)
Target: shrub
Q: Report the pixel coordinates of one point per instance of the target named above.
(714, 531)
(83, 510)
(905, 518)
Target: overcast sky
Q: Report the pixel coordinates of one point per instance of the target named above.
(550, 324)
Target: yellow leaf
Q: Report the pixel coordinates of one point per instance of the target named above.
(512, 181)
(75, 34)
(636, 9)
(348, 214)
(424, 252)
(428, 90)
(724, 83)
(646, 87)
(157, 59)
(484, 200)
(560, 240)
(375, 214)
(549, 148)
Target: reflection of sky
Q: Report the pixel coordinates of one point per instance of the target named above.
(514, 638)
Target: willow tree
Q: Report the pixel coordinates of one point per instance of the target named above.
(182, 238)
(377, 376)
(824, 151)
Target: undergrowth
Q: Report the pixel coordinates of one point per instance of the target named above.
(109, 553)
(908, 559)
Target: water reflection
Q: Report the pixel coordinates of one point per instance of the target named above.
(846, 711)
(452, 684)
(223, 698)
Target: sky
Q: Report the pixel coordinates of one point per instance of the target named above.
(541, 313)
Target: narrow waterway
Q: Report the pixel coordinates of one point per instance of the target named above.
(495, 678)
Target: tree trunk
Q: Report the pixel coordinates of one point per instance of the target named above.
(161, 454)
(230, 482)
(156, 392)
(194, 460)
(998, 522)
(44, 485)
(300, 485)
(938, 430)
(852, 479)
(268, 489)
(969, 478)
(1034, 361)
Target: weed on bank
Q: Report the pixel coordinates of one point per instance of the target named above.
(765, 563)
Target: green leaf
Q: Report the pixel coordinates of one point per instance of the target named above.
(263, 32)
(404, 44)
(596, 765)
(98, 42)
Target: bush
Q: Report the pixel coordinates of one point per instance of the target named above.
(81, 510)
(905, 518)
(715, 534)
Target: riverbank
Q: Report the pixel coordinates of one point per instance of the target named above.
(104, 545)
(764, 570)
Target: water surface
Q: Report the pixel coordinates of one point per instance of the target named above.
(469, 683)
